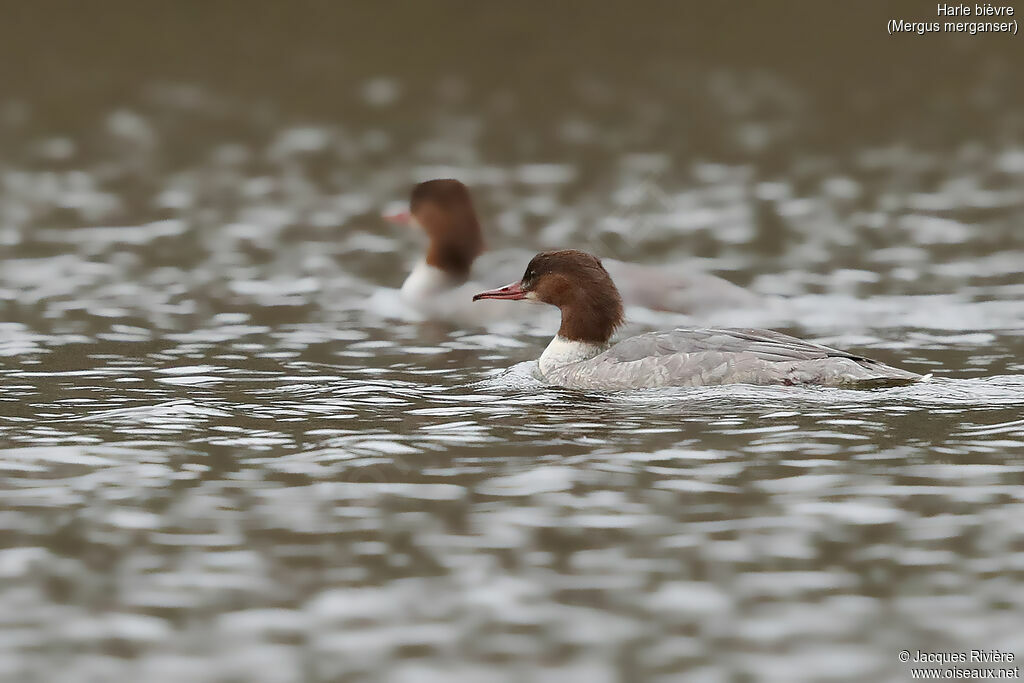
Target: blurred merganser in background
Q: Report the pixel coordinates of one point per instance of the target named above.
(580, 356)
(444, 210)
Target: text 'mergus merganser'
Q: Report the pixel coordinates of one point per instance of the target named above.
(581, 357)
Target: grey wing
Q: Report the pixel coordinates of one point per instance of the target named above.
(701, 357)
(766, 345)
(705, 357)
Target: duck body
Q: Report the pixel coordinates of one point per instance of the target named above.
(438, 294)
(694, 357)
(444, 211)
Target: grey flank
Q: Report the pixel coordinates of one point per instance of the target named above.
(702, 357)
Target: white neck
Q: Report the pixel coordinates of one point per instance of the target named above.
(561, 352)
(426, 280)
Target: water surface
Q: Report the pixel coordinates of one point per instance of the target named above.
(220, 463)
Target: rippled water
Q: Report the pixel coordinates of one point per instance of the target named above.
(220, 463)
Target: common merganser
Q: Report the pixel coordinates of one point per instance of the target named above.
(444, 210)
(580, 356)
(438, 287)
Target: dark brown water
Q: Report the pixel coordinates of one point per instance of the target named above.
(220, 463)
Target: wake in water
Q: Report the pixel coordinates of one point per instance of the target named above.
(983, 391)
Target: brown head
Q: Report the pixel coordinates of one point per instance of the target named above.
(578, 284)
(444, 210)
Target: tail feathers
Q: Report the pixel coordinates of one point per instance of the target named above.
(889, 376)
(887, 373)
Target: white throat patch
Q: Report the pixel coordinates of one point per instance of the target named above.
(425, 280)
(561, 352)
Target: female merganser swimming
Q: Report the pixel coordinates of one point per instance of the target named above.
(444, 210)
(580, 356)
